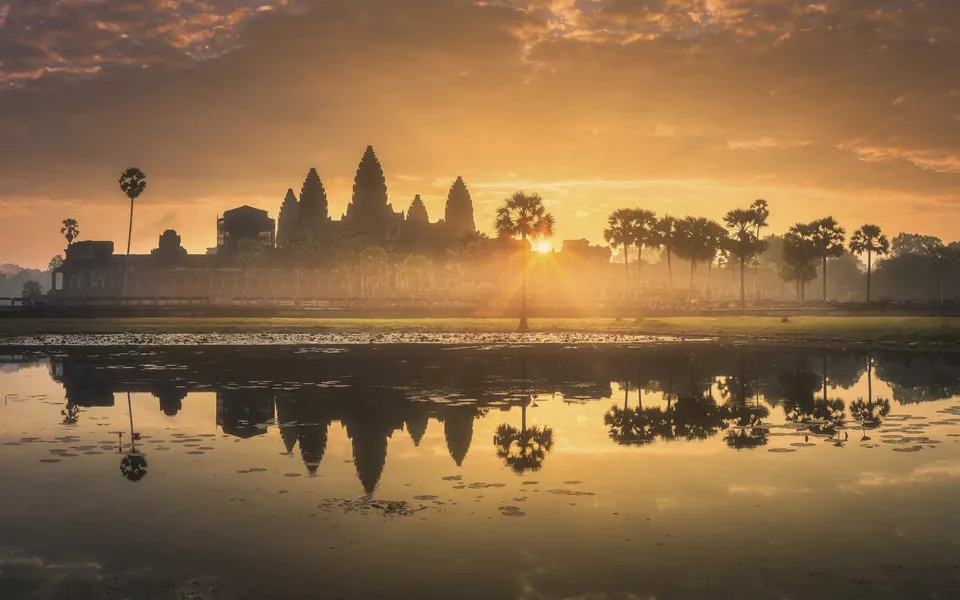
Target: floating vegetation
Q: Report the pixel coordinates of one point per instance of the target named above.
(570, 493)
(368, 505)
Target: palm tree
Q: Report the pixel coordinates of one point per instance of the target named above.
(665, 236)
(761, 212)
(871, 240)
(694, 244)
(643, 225)
(132, 183)
(799, 254)
(827, 237)
(525, 217)
(620, 233)
(716, 243)
(70, 230)
(744, 243)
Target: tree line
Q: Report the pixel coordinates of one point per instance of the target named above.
(739, 241)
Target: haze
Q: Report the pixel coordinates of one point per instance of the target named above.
(844, 107)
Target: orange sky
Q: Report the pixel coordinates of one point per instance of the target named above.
(847, 108)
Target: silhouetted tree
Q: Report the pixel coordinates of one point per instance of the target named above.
(526, 217)
(288, 221)
(55, 263)
(744, 243)
(870, 240)
(799, 254)
(70, 230)
(665, 237)
(619, 232)
(827, 238)
(643, 224)
(32, 290)
(132, 183)
(761, 212)
(914, 243)
(458, 214)
(417, 213)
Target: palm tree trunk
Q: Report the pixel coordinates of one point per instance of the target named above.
(869, 269)
(743, 287)
(639, 270)
(523, 294)
(709, 274)
(669, 277)
(693, 270)
(626, 264)
(126, 261)
(824, 273)
(133, 443)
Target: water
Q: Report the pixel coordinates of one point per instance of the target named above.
(664, 471)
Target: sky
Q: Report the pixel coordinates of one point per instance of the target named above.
(849, 108)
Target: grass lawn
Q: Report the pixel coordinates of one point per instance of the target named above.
(843, 328)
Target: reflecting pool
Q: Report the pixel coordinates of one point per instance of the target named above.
(662, 471)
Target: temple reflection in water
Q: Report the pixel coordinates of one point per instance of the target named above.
(669, 393)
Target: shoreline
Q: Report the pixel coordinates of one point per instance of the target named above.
(941, 333)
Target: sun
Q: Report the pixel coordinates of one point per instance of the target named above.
(543, 247)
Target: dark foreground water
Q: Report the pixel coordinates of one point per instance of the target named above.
(658, 472)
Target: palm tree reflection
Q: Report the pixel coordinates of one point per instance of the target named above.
(523, 449)
(133, 465)
(869, 413)
(633, 427)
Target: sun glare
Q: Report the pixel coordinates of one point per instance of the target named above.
(543, 247)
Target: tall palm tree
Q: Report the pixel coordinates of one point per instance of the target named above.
(526, 217)
(643, 225)
(70, 230)
(799, 255)
(665, 236)
(827, 237)
(744, 243)
(132, 183)
(870, 240)
(716, 243)
(619, 232)
(761, 212)
(694, 243)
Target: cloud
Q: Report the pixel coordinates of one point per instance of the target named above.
(41, 38)
(847, 106)
(928, 473)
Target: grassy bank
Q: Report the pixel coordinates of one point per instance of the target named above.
(835, 329)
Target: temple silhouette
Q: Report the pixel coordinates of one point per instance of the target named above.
(372, 250)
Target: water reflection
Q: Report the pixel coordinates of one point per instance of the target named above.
(665, 456)
(698, 393)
